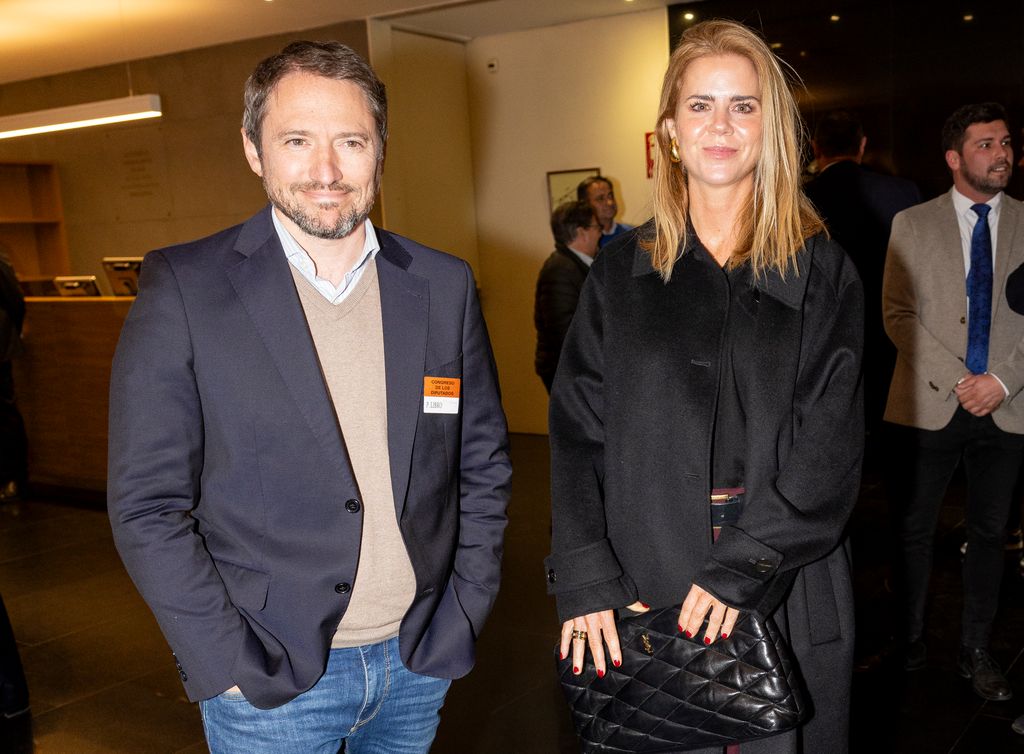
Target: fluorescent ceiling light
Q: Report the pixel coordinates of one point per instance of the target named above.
(81, 116)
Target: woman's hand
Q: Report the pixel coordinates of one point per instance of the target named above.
(696, 606)
(597, 629)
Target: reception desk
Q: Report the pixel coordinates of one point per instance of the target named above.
(62, 380)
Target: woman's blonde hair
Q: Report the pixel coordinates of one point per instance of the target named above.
(777, 218)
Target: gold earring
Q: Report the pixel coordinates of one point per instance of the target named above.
(674, 151)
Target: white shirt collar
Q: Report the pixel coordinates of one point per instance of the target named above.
(300, 259)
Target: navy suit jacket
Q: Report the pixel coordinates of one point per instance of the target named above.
(229, 485)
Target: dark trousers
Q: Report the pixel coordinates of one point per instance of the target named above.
(13, 691)
(926, 461)
(13, 443)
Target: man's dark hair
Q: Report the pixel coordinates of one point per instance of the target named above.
(332, 60)
(586, 183)
(955, 130)
(838, 134)
(568, 217)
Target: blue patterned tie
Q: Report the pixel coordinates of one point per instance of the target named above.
(979, 293)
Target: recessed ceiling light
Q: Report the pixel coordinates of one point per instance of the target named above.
(776, 45)
(689, 16)
(834, 17)
(969, 17)
(803, 53)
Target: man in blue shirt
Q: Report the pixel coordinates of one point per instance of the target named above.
(598, 192)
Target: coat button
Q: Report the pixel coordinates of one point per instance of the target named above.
(963, 320)
(764, 566)
(184, 675)
(352, 506)
(343, 588)
(551, 576)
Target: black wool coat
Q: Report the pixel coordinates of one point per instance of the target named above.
(632, 412)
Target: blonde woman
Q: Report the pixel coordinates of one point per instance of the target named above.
(716, 354)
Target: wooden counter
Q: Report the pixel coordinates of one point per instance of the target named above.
(61, 382)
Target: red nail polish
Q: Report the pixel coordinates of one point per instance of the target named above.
(561, 655)
(725, 635)
(575, 670)
(616, 663)
(707, 639)
(645, 606)
(688, 634)
(600, 674)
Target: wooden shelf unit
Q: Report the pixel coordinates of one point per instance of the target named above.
(32, 230)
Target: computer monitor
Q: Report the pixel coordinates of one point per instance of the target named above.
(123, 274)
(76, 285)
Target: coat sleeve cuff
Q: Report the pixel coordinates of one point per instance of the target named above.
(741, 570)
(588, 579)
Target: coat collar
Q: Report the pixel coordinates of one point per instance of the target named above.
(788, 289)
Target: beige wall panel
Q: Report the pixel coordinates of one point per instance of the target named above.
(571, 96)
(428, 179)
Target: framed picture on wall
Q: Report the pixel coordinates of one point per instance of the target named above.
(562, 184)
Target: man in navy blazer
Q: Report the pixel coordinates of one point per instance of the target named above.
(308, 455)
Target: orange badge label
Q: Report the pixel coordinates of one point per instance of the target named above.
(441, 395)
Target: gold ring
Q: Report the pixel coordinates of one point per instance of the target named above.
(579, 634)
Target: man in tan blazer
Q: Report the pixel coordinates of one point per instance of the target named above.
(959, 371)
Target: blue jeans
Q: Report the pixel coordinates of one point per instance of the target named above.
(366, 698)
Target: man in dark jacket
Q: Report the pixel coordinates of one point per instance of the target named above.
(12, 429)
(577, 233)
(858, 206)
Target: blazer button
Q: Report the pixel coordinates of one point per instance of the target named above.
(551, 576)
(343, 588)
(352, 506)
(764, 566)
(963, 320)
(184, 675)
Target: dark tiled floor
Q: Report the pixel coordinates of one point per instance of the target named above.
(102, 679)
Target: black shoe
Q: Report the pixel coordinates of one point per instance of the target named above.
(986, 678)
(915, 655)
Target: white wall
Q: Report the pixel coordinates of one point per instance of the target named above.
(570, 96)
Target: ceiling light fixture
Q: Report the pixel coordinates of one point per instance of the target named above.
(689, 16)
(834, 17)
(100, 113)
(969, 17)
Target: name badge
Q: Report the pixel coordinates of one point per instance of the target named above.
(441, 395)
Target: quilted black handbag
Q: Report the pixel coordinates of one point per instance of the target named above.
(674, 694)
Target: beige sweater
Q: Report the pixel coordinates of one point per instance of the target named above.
(349, 340)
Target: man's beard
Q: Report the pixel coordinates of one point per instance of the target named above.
(312, 224)
(988, 182)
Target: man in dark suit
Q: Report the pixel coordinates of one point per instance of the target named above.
(858, 206)
(308, 455)
(955, 392)
(13, 443)
(577, 233)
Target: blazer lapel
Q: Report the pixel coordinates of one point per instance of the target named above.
(1005, 246)
(262, 280)
(404, 304)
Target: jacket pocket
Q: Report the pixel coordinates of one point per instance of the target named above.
(247, 588)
